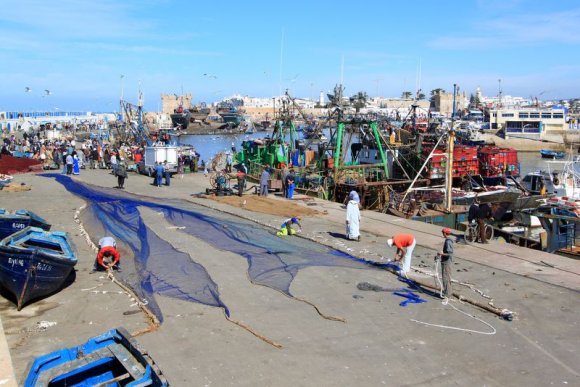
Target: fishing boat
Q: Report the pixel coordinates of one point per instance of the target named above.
(182, 116)
(11, 222)
(113, 358)
(231, 115)
(551, 154)
(35, 263)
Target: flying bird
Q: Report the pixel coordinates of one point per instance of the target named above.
(48, 92)
(27, 89)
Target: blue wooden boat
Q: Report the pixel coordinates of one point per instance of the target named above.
(551, 154)
(35, 263)
(111, 359)
(11, 222)
(5, 180)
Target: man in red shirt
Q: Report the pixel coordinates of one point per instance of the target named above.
(108, 256)
(405, 244)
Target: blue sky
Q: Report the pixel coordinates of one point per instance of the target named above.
(79, 49)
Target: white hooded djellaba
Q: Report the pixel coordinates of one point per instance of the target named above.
(353, 217)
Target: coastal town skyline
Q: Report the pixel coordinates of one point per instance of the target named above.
(73, 55)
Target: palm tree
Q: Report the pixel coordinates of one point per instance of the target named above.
(406, 95)
(437, 91)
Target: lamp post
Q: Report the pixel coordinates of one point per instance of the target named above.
(121, 100)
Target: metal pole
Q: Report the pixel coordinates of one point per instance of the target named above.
(449, 171)
(449, 165)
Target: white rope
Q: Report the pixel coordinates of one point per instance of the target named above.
(446, 302)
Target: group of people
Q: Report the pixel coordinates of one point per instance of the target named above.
(404, 243)
(479, 212)
(162, 170)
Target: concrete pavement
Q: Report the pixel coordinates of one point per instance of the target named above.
(379, 344)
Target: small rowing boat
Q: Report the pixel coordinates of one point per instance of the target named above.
(111, 359)
(551, 154)
(35, 263)
(11, 222)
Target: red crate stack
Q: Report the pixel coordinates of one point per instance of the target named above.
(437, 164)
(495, 161)
(464, 162)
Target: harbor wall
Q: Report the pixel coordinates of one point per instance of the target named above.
(554, 141)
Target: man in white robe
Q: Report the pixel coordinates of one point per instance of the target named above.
(353, 217)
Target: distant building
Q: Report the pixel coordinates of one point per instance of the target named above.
(170, 102)
(530, 122)
(25, 121)
(442, 102)
(506, 101)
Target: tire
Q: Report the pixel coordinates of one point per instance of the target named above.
(470, 234)
(488, 232)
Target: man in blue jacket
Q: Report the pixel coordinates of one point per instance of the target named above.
(158, 173)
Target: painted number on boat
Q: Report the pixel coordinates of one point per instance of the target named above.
(15, 262)
(18, 225)
(43, 267)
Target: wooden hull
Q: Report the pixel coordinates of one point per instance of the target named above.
(33, 272)
(113, 358)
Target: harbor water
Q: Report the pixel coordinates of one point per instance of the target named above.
(208, 145)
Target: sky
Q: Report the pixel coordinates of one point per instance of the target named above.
(87, 54)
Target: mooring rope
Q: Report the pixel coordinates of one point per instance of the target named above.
(247, 328)
(446, 302)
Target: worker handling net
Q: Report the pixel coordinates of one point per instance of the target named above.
(159, 268)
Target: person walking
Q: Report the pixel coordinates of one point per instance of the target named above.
(405, 244)
(166, 173)
(353, 217)
(229, 161)
(285, 173)
(69, 164)
(114, 164)
(76, 164)
(108, 257)
(290, 179)
(121, 173)
(158, 173)
(483, 214)
(446, 257)
(241, 175)
(264, 178)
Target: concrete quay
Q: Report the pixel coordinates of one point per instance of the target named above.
(380, 342)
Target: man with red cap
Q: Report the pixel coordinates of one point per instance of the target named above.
(446, 255)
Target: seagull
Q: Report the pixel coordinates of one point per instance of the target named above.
(47, 92)
(244, 203)
(27, 89)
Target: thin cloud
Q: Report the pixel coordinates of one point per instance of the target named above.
(528, 29)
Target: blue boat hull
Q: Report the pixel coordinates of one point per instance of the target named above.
(35, 263)
(550, 154)
(113, 358)
(14, 222)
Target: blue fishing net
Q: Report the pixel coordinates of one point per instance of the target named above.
(159, 268)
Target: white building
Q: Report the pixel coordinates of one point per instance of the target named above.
(530, 122)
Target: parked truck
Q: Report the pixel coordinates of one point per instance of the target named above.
(158, 154)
